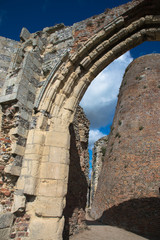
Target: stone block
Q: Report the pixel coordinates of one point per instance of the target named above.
(47, 188)
(39, 137)
(35, 61)
(45, 158)
(93, 54)
(25, 34)
(49, 206)
(151, 34)
(17, 149)
(20, 131)
(33, 157)
(6, 220)
(46, 150)
(30, 168)
(30, 105)
(25, 115)
(39, 44)
(50, 170)
(19, 203)
(59, 99)
(109, 28)
(7, 98)
(58, 155)
(85, 62)
(30, 185)
(30, 136)
(13, 170)
(70, 104)
(5, 234)
(33, 149)
(81, 87)
(62, 186)
(58, 139)
(55, 110)
(46, 228)
(21, 182)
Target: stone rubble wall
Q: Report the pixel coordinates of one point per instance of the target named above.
(98, 155)
(8, 48)
(128, 189)
(76, 198)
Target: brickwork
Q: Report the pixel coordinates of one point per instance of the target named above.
(128, 187)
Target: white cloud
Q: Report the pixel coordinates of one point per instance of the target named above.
(100, 99)
(94, 135)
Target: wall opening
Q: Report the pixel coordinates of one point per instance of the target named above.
(101, 96)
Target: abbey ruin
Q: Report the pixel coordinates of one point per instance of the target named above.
(43, 77)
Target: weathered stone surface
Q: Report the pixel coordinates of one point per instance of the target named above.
(25, 34)
(43, 228)
(76, 199)
(6, 220)
(7, 49)
(19, 203)
(49, 206)
(130, 175)
(98, 156)
(5, 233)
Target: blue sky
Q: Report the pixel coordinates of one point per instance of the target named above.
(38, 14)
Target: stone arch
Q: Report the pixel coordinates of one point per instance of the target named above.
(74, 76)
(56, 105)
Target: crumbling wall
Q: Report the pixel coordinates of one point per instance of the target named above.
(76, 199)
(98, 154)
(17, 98)
(8, 48)
(128, 189)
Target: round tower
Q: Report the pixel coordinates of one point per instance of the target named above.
(128, 193)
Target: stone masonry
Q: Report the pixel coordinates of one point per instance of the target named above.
(43, 78)
(98, 154)
(76, 198)
(128, 188)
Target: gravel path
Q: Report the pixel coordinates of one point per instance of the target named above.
(97, 231)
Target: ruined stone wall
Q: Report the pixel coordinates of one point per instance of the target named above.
(98, 155)
(9, 118)
(76, 199)
(128, 188)
(8, 48)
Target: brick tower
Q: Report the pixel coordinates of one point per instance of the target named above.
(129, 186)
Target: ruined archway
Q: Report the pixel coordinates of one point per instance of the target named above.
(44, 173)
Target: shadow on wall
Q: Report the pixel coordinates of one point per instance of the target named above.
(140, 216)
(76, 198)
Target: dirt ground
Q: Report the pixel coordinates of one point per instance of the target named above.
(97, 231)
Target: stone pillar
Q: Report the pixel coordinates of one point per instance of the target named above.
(48, 183)
(98, 156)
(76, 198)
